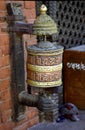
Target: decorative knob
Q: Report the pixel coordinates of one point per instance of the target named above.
(43, 9)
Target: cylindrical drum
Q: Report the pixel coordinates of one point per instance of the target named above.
(44, 66)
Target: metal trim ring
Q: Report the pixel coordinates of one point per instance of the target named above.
(44, 53)
(44, 68)
(44, 84)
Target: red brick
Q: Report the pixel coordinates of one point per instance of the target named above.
(5, 72)
(4, 84)
(7, 126)
(0, 117)
(31, 113)
(30, 20)
(5, 50)
(29, 4)
(4, 61)
(5, 105)
(2, 5)
(24, 124)
(32, 40)
(4, 40)
(4, 94)
(3, 25)
(2, 14)
(0, 52)
(6, 116)
(26, 37)
(29, 13)
(34, 121)
(27, 124)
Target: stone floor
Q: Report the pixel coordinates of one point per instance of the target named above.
(66, 125)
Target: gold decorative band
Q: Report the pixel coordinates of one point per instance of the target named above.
(44, 84)
(47, 53)
(44, 68)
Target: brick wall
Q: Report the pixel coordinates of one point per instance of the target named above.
(31, 118)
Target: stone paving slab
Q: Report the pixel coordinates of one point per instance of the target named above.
(66, 125)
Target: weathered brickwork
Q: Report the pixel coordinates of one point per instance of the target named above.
(31, 114)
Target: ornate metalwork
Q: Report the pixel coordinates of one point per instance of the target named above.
(42, 101)
(44, 25)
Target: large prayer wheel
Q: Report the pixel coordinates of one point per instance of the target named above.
(44, 65)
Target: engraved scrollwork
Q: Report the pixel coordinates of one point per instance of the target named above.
(44, 77)
(44, 60)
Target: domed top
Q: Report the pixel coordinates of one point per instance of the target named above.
(44, 24)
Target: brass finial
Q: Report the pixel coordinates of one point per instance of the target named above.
(43, 9)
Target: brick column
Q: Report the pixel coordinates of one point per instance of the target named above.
(31, 114)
